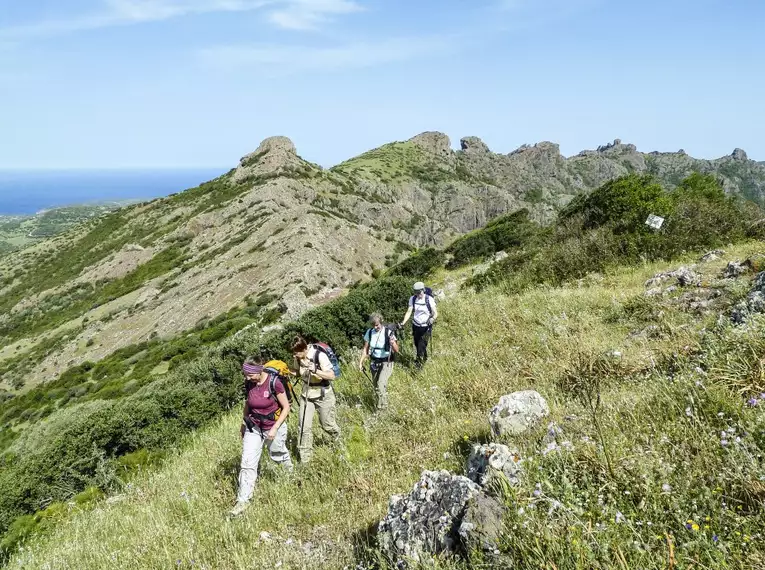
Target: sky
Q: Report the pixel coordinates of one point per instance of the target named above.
(199, 83)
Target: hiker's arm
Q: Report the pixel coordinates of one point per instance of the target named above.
(435, 310)
(394, 344)
(364, 352)
(281, 397)
(324, 375)
(408, 314)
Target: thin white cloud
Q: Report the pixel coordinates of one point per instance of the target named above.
(309, 14)
(285, 59)
(114, 13)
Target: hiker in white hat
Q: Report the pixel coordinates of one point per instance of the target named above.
(423, 306)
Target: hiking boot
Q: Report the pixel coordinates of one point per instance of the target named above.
(238, 509)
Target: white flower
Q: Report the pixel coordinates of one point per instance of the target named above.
(666, 487)
(619, 517)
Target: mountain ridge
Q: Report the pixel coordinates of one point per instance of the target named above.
(279, 226)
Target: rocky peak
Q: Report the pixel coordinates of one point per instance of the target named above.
(473, 145)
(616, 147)
(544, 148)
(434, 143)
(274, 155)
(739, 154)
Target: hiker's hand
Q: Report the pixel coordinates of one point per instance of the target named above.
(361, 367)
(271, 433)
(241, 430)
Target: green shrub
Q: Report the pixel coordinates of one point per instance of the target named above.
(508, 232)
(419, 265)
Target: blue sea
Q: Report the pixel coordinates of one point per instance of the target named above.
(28, 192)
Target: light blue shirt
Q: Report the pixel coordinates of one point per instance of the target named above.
(376, 342)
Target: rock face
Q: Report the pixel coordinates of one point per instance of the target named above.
(486, 462)
(473, 145)
(435, 143)
(518, 412)
(275, 155)
(443, 514)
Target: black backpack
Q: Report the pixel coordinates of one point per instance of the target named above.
(428, 297)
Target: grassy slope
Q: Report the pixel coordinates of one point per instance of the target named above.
(17, 232)
(485, 346)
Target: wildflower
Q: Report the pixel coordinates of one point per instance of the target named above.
(688, 412)
(752, 402)
(552, 446)
(619, 517)
(666, 488)
(723, 442)
(715, 538)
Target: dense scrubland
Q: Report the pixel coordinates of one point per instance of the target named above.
(657, 400)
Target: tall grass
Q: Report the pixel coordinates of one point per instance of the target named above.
(675, 483)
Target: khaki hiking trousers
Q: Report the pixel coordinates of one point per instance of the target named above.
(321, 400)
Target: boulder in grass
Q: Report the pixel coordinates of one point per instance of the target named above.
(486, 462)
(518, 412)
(444, 514)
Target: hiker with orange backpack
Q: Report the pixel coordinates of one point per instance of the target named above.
(422, 309)
(266, 408)
(318, 366)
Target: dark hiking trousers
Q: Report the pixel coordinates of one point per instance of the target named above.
(421, 337)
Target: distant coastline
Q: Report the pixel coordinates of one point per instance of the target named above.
(27, 193)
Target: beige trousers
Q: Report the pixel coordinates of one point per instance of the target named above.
(321, 400)
(380, 375)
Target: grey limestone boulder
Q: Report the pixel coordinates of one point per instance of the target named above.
(754, 303)
(517, 412)
(444, 514)
(427, 520)
(711, 256)
(683, 276)
(486, 462)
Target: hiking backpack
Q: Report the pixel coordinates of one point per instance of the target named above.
(428, 297)
(326, 349)
(279, 370)
(389, 330)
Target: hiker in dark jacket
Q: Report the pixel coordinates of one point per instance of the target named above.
(380, 345)
(263, 425)
(423, 310)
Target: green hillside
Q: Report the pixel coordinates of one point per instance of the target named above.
(545, 339)
(641, 385)
(18, 232)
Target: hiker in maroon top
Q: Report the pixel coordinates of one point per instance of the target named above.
(264, 425)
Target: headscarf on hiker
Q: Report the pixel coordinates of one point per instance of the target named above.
(266, 408)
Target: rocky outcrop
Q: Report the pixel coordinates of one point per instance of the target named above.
(274, 156)
(518, 412)
(443, 514)
(487, 462)
(434, 143)
(682, 276)
(754, 303)
(473, 145)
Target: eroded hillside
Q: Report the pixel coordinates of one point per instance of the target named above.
(282, 231)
